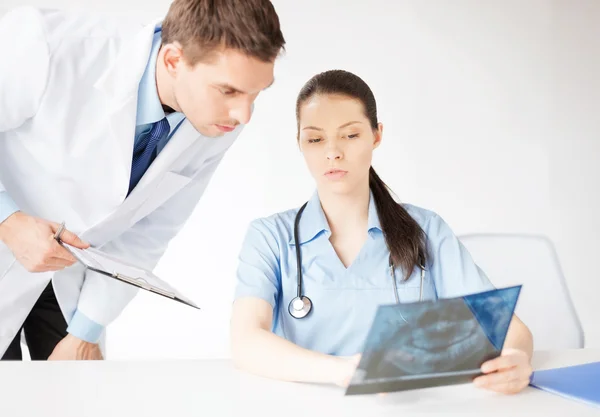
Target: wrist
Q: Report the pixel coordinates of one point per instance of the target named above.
(6, 224)
(518, 348)
(81, 349)
(320, 368)
(74, 340)
(336, 369)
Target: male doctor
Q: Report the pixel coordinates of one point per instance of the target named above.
(114, 128)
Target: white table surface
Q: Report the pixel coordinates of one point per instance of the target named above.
(214, 388)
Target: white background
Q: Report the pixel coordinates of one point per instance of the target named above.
(491, 119)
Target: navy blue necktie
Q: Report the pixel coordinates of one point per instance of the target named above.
(144, 151)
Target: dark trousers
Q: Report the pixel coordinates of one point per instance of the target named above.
(44, 327)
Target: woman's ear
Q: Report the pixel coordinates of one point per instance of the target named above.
(378, 135)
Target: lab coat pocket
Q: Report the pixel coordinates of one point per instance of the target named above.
(168, 186)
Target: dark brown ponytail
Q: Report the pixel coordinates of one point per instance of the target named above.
(403, 235)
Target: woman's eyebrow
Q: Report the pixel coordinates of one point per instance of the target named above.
(320, 129)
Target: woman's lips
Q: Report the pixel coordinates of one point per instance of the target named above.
(336, 174)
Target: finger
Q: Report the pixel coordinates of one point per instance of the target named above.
(54, 264)
(501, 362)
(58, 252)
(70, 238)
(498, 378)
(510, 387)
(60, 262)
(74, 240)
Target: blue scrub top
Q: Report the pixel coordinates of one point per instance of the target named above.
(345, 299)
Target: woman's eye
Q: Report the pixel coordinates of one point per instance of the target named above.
(313, 140)
(227, 92)
(354, 136)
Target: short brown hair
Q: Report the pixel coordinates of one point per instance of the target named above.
(204, 26)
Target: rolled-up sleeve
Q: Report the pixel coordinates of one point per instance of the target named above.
(258, 272)
(454, 271)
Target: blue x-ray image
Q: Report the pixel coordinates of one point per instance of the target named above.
(432, 343)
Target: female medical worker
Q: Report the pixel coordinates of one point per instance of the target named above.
(348, 233)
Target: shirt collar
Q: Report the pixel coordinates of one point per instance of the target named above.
(149, 107)
(373, 221)
(313, 220)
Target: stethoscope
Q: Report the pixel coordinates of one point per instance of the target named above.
(301, 305)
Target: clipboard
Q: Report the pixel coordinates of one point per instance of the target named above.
(112, 267)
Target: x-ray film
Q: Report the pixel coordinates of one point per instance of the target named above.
(433, 343)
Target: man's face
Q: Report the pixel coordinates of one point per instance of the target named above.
(217, 95)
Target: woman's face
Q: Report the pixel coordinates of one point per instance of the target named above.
(337, 142)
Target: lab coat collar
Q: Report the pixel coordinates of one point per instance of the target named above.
(120, 81)
(120, 84)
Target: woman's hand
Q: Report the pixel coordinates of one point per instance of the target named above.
(346, 366)
(508, 374)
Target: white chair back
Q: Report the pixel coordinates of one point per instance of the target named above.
(544, 305)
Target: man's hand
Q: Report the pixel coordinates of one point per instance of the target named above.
(72, 349)
(507, 374)
(32, 242)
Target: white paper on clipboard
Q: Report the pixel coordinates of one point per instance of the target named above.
(118, 269)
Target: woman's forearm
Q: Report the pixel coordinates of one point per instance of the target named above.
(263, 353)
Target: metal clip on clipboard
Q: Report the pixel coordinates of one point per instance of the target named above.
(137, 282)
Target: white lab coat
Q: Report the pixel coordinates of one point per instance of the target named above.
(68, 97)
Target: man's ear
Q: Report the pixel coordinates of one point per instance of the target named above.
(172, 57)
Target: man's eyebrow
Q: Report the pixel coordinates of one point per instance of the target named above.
(238, 90)
(229, 87)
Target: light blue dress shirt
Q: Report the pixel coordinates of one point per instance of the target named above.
(7, 206)
(149, 107)
(149, 111)
(344, 299)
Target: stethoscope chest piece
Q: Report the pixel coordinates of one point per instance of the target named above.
(299, 307)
